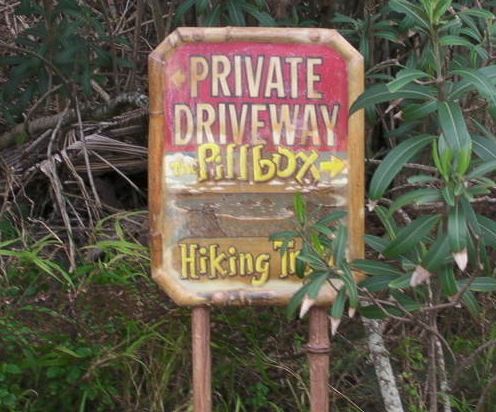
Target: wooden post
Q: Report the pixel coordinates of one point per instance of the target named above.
(318, 349)
(202, 360)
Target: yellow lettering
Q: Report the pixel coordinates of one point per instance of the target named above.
(290, 162)
(188, 261)
(259, 164)
(207, 153)
(308, 165)
(262, 267)
(216, 261)
(245, 264)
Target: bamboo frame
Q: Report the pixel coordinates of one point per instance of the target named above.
(355, 187)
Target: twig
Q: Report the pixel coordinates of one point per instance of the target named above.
(415, 166)
(81, 185)
(86, 157)
(49, 168)
(48, 122)
(116, 169)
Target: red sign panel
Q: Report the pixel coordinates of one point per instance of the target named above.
(246, 93)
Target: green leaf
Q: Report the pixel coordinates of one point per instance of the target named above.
(484, 148)
(480, 81)
(350, 285)
(183, 8)
(376, 312)
(296, 300)
(375, 268)
(314, 261)
(448, 195)
(421, 179)
(337, 308)
(404, 77)
(315, 283)
(448, 281)
(419, 111)
(473, 33)
(387, 221)
(326, 231)
(263, 18)
(379, 93)
(453, 125)
(403, 130)
(412, 11)
(452, 40)
(284, 235)
(446, 155)
(300, 208)
(416, 197)
(409, 236)
(480, 284)
(377, 283)
(236, 16)
(460, 88)
(401, 282)
(479, 13)
(471, 217)
(332, 217)
(202, 6)
(406, 302)
(482, 169)
(377, 243)
(463, 161)
(213, 18)
(438, 254)
(471, 303)
(457, 228)
(437, 161)
(441, 6)
(339, 243)
(393, 163)
(488, 229)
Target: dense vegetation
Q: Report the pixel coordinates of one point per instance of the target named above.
(82, 327)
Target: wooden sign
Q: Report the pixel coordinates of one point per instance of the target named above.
(241, 120)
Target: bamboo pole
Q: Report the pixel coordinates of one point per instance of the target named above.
(202, 361)
(318, 349)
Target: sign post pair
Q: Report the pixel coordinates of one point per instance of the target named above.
(242, 119)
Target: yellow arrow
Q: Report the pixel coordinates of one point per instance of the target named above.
(334, 167)
(178, 78)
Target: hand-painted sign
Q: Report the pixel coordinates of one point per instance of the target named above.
(241, 119)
